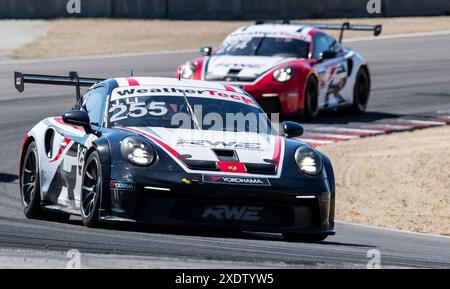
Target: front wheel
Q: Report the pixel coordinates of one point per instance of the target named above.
(306, 238)
(361, 91)
(311, 99)
(30, 189)
(91, 190)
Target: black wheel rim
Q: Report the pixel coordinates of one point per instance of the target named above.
(313, 101)
(362, 91)
(90, 189)
(29, 178)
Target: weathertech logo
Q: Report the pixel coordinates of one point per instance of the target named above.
(234, 213)
(236, 180)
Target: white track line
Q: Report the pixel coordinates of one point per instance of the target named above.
(163, 52)
(393, 230)
(394, 127)
(400, 36)
(315, 141)
(331, 135)
(344, 129)
(91, 57)
(430, 122)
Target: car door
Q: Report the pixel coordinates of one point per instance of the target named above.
(65, 155)
(332, 72)
(93, 102)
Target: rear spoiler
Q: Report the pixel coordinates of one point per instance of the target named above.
(259, 22)
(376, 29)
(72, 80)
(342, 27)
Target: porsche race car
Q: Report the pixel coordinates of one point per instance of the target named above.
(143, 150)
(292, 69)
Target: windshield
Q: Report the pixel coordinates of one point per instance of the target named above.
(248, 45)
(172, 112)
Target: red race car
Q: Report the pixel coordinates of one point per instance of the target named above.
(292, 69)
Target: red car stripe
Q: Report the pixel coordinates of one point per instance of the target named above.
(232, 167)
(277, 151)
(229, 88)
(21, 154)
(155, 139)
(132, 81)
(65, 143)
(60, 121)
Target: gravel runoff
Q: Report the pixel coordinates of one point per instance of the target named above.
(17, 33)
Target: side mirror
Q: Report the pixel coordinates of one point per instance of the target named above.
(292, 129)
(79, 118)
(329, 54)
(206, 51)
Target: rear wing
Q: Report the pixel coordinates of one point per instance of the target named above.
(72, 80)
(376, 29)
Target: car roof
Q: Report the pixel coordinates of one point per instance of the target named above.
(282, 30)
(166, 81)
(199, 88)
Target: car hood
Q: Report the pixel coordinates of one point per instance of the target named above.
(203, 144)
(242, 67)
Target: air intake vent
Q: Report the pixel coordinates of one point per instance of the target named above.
(226, 155)
(263, 169)
(234, 71)
(201, 165)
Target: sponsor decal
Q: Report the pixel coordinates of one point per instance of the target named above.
(121, 93)
(232, 168)
(232, 180)
(122, 186)
(277, 33)
(238, 65)
(233, 213)
(208, 143)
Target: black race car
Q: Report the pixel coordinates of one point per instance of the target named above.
(173, 152)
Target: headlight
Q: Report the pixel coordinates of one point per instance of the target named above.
(283, 74)
(308, 160)
(187, 70)
(137, 151)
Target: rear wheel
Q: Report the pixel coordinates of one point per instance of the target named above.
(306, 238)
(31, 191)
(91, 190)
(311, 99)
(361, 91)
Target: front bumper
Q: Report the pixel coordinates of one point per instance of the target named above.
(181, 199)
(285, 98)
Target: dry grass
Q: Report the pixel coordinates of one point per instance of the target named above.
(400, 181)
(79, 37)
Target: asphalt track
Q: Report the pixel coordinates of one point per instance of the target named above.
(410, 75)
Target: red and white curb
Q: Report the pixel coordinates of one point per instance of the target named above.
(322, 134)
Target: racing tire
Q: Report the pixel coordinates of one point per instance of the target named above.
(361, 92)
(311, 99)
(30, 189)
(91, 191)
(305, 238)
